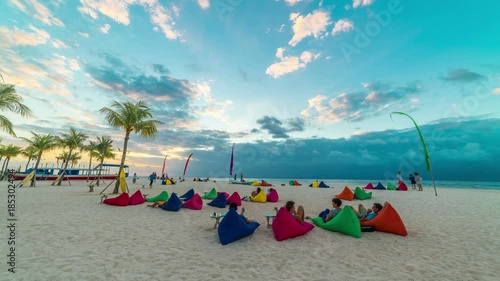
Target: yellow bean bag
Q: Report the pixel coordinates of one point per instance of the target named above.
(261, 197)
(256, 183)
(315, 183)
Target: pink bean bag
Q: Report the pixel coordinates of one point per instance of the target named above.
(285, 226)
(120, 200)
(225, 194)
(273, 196)
(235, 197)
(402, 187)
(194, 203)
(137, 198)
(369, 186)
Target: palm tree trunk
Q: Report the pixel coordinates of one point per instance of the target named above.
(90, 164)
(6, 162)
(33, 180)
(65, 167)
(27, 164)
(124, 155)
(100, 171)
(3, 168)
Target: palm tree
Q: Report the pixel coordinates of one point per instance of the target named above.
(9, 151)
(104, 150)
(29, 152)
(91, 149)
(42, 143)
(11, 101)
(131, 118)
(74, 159)
(72, 140)
(62, 157)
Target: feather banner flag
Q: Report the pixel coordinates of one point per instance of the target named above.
(426, 154)
(231, 164)
(187, 162)
(163, 168)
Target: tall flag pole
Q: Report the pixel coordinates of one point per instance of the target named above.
(426, 154)
(185, 167)
(231, 163)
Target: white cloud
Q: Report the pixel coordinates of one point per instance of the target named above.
(84, 34)
(204, 4)
(292, 2)
(347, 7)
(37, 10)
(311, 25)
(342, 25)
(105, 28)
(31, 37)
(118, 10)
(496, 91)
(56, 43)
(289, 64)
(359, 3)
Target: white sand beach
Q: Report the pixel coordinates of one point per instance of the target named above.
(65, 233)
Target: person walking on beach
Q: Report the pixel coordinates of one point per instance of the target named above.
(152, 178)
(134, 178)
(400, 178)
(413, 182)
(418, 179)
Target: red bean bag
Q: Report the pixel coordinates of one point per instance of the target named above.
(137, 198)
(235, 197)
(195, 203)
(120, 200)
(388, 220)
(285, 226)
(402, 187)
(346, 194)
(273, 196)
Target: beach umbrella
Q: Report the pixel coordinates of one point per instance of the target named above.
(426, 155)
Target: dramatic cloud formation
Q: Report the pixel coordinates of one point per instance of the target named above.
(360, 105)
(277, 129)
(462, 75)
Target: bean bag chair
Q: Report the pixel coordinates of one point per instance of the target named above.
(255, 183)
(220, 201)
(388, 220)
(210, 195)
(261, 197)
(402, 187)
(195, 203)
(290, 182)
(235, 197)
(163, 196)
(361, 194)
(314, 184)
(225, 193)
(273, 196)
(369, 186)
(379, 186)
(186, 196)
(233, 227)
(264, 183)
(168, 182)
(120, 200)
(346, 194)
(285, 226)
(391, 186)
(296, 183)
(345, 222)
(323, 185)
(173, 204)
(137, 198)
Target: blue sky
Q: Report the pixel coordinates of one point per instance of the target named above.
(304, 88)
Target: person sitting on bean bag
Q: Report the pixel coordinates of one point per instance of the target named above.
(242, 216)
(328, 214)
(297, 214)
(368, 214)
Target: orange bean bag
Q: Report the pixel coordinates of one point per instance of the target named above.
(346, 194)
(388, 220)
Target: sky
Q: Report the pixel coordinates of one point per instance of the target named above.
(303, 88)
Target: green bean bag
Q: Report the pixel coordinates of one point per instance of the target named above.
(345, 222)
(361, 194)
(163, 196)
(210, 195)
(391, 186)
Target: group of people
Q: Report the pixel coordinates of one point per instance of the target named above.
(415, 180)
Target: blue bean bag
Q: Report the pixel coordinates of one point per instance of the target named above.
(220, 201)
(323, 185)
(186, 196)
(233, 227)
(173, 204)
(380, 186)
